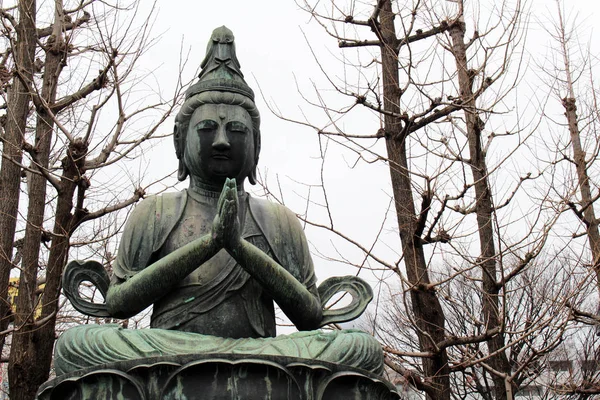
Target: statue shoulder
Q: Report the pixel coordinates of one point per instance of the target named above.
(284, 233)
(158, 208)
(142, 209)
(273, 217)
(146, 230)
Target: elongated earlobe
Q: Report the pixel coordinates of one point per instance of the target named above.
(252, 176)
(182, 171)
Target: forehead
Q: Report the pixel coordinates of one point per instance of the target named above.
(221, 113)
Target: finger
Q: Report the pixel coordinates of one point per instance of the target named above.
(232, 198)
(230, 193)
(235, 198)
(229, 213)
(222, 197)
(227, 208)
(232, 184)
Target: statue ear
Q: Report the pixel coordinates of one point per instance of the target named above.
(179, 140)
(252, 176)
(182, 171)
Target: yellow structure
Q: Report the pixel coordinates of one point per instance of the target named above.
(13, 291)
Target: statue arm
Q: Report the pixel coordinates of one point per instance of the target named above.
(138, 284)
(300, 304)
(129, 297)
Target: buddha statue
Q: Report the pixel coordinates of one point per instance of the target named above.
(212, 259)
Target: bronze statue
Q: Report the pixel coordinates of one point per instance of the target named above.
(212, 259)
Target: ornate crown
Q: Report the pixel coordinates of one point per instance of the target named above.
(221, 69)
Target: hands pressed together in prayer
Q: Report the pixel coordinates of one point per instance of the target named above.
(226, 225)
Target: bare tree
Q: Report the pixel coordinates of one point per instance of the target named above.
(582, 154)
(439, 87)
(66, 143)
(15, 122)
(568, 71)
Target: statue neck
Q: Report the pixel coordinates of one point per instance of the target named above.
(205, 190)
(208, 195)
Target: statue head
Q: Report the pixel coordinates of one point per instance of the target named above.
(220, 103)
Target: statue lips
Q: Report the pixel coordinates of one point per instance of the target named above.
(220, 156)
(222, 164)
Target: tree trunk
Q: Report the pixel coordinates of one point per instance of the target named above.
(10, 172)
(484, 210)
(587, 206)
(42, 338)
(426, 307)
(589, 216)
(27, 368)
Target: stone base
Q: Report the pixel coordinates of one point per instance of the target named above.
(219, 377)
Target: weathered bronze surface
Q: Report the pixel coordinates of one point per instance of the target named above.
(219, 377)
(212, 260)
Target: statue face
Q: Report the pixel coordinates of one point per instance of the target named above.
(220, 143)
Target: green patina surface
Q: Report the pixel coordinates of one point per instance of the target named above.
(219, 377)
(212, 259)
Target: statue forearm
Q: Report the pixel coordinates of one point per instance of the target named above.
(128, 298)
(297, 302)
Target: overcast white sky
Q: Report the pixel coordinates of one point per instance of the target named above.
(271, 40)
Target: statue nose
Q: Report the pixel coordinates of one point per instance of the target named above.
(222, 52)
(221, 141)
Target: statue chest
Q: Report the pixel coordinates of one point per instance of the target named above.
(219, 298)
(196, 221)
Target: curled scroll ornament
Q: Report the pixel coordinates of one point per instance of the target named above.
(77, 272)
(361, 293)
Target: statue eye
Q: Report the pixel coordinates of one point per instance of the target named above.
(238, 127)
(206, 126)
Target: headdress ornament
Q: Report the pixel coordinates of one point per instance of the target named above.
(220, 81)
(220, 68)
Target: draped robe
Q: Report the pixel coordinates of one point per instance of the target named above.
(179, 315)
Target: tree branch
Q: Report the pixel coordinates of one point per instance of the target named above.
(410, 376)
(358, 43)
(444, 26)
(96, 84)
(138, 194)
(68, 26)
